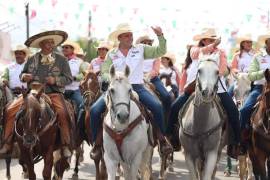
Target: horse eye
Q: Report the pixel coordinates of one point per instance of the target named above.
(112, 90)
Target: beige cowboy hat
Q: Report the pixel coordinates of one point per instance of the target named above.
(207, 33)
(120, 29)
(22, 48)
(73, 44)
(80, 52)
(143, 38)
(104, 44)
(170, 56)
(57, 35)
(262, 39)
(246, 37)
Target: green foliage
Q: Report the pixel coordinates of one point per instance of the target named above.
(89, 47)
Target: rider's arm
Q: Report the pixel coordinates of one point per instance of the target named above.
(82, 70)
(105, 68)
(155, 70)
(254, 72)
(5, 75)
(222, 63)
(151, 52)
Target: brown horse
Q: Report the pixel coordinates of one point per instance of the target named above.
(259, 149)
(35, 128)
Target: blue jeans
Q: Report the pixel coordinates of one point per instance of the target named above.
(232, 113)
(76, 97)
(175, 108)
(145, 97)
(246, 110)
(230, 90)
(175, 90)
(164, 94)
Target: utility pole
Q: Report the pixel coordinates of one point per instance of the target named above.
(268, 19)
(89, 34)
(27, 19)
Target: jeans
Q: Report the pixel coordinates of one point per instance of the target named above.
(175, 108)
(246, 110)
(230, 90)
(76, 97)
(232, 113)
(164, 94)
(175, 90)
(145, 97)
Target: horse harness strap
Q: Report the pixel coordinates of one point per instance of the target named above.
(118, 137)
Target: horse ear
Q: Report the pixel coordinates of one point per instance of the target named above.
(112, 71)
(267, 75)
(127, 71)
(40, 91)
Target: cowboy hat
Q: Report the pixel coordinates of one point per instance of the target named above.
(57, 35)
(73, 44)
(246, 37)
(120, 29)
(104, 44)
(170, 56)
(143, 38)
(207, 33)
(22, 48)
(262, 38)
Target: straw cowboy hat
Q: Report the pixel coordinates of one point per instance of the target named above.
(73, 44)
(80, 52)
(262, 38)
(104, 44)
(120, 29)
(246, 37)
(143, 38)
(57, 35)
(22, 48)
(207, 33)
(170, 56)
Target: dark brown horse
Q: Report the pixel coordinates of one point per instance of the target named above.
(90, 91)
(35, 128)
(259, 149)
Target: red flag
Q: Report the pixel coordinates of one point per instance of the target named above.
(33, 14)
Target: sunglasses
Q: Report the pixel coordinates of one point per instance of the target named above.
(66, 47)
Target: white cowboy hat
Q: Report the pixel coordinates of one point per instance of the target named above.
(207, 33)
(104, 44)
(80, 52)
(73, 44)
(57, 35)
(120, 29)
(143, 38)
(21, 48)
(262, 38)
(170, 56)
(246, 37)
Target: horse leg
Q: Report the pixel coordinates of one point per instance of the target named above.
(163, 167)
(8, 161)
(191, 164)
(24, 167)
(249, 169)
(242, 166)
(111, 167)
(268, 166)
(48, 164)
(227, 172)
(146, 163)
(170, 163)
(258, 163)
(77, 162)
(209, 165)
(103, 169)
(31, 172)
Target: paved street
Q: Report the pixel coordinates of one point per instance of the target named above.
(87, 169)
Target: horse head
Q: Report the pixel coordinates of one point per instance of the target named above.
(266, 92)
(28, 119)
(89, 88)
(208, 76)
(241, 87)
(118, 97)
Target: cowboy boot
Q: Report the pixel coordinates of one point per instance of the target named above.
(96, 152)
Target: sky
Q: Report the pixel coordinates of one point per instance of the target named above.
(180, 20)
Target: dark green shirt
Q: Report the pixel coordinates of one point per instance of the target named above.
(59, 70)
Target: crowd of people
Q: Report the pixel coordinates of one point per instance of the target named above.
(62, 73)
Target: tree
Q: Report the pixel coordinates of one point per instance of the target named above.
(89, 47)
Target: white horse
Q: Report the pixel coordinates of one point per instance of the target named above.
(241, 90)
(201, 122)
(125, 139)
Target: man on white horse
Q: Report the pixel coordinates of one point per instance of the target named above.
(132, 55)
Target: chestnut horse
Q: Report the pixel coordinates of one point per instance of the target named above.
(35, 129)
(259, 149)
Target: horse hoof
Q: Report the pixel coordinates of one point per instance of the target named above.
(171, 169)
(75, 176)
(227, 174)
(25, 175)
